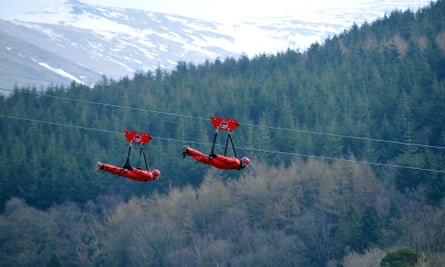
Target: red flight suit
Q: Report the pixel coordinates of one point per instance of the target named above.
(133, 173)
(217, 161)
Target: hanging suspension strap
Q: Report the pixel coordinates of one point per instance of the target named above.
(229, 138)
(212, 152)
(223, 124)
(139, 138)
(127, 162)
(142, 154)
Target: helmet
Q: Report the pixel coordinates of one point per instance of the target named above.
(245, 161)
(156, 173)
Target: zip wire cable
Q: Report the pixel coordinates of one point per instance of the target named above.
(346, 136)
(245, 124)
(108, 105)
(59, 124)
(243, 148)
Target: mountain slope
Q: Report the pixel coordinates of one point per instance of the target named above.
(26, 64)
(86, 42)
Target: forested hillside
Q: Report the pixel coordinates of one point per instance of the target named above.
(346, 139)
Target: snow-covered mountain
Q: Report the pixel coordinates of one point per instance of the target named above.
(83, 43)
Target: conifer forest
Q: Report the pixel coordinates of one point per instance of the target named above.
(346, 141)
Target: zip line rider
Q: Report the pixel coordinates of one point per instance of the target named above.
(127, 171)
(217, 160)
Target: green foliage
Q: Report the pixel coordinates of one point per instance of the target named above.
(372, 226)
(55, 261)
(351, 229)
(250, 221)
(382, 82)
(402, 257)
(377, 81)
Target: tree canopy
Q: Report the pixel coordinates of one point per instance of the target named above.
(346, 140)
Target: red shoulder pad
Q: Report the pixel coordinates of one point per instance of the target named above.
(224, 124)
(137, 137)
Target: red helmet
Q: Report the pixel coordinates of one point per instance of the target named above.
(156, 173)
(245, 161)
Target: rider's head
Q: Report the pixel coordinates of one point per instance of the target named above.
(156, 173)
(245, 161)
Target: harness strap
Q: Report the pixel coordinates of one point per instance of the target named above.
(142, 153)
(229, 137)
(127, 162)
(212, 152)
